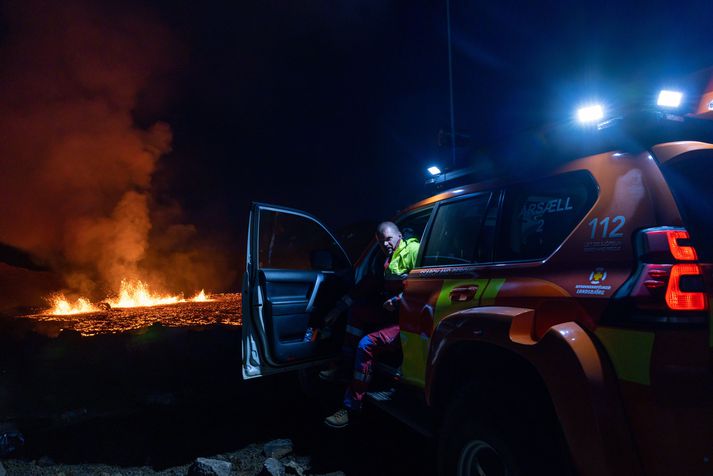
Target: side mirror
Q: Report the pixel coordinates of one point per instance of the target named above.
(321, 260)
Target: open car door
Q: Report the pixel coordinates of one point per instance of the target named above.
(295, 273)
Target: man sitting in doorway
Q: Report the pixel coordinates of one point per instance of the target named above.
(401, 256)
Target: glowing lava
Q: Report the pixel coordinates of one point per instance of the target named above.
(131, 294)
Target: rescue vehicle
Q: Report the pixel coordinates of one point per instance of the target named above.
(554, 324)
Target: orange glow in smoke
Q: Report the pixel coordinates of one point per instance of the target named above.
(131, 294)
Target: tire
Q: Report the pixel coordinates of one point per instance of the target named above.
(470, 447)
(492, 439)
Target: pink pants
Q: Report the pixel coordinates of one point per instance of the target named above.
(369, 347)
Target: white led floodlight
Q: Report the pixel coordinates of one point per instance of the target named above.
(590, 114)
(669, 98)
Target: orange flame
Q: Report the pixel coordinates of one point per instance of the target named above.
(61, 306)
(137, 294)
(131, 294)
(201, 297)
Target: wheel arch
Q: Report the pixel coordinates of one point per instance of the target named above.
(566, 374)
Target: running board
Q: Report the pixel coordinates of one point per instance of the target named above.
(408, 405)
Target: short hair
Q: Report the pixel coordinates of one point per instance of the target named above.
(387, 226)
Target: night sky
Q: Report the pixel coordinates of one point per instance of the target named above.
(334, 107)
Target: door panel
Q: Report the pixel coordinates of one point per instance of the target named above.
(294, 301)
(295, 273)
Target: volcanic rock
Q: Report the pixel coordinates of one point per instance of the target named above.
(273, 467)
(45, 461)
(278, 448)
(209, 467)
(296, 465)
(249, 459)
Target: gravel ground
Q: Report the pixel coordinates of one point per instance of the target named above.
(102, 394)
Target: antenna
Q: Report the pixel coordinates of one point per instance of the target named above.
(450, 84)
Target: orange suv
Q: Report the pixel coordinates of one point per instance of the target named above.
(553, 325)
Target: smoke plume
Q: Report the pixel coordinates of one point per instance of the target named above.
(76, 170)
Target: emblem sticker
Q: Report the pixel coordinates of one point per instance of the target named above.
(595, 286)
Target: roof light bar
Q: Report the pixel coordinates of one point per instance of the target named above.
(589, 114)
(669, 98)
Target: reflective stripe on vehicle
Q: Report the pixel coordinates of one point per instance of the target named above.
(445, 307)
(415, 350)
(491, 291)
(629, 351)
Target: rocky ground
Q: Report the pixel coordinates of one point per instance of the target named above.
(274, 458)
(229, 421)
(152, 400)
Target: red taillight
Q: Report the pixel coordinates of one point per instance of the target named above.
(669, 277)
(679, 300)
(680, 252)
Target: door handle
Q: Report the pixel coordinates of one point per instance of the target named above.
(463, 293)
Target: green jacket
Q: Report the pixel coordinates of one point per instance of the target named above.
(403, 259)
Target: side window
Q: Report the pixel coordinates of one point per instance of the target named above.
(454, 235)
(537, 216)
(486, 242)
(290, 241)
(414, 224)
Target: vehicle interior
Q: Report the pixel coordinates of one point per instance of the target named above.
(300, 274)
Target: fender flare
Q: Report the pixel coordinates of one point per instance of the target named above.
(575, 370)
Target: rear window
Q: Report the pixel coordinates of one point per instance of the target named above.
(538, 215)
(689, 177)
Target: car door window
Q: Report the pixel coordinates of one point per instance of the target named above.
(292, 241)
(453, 238)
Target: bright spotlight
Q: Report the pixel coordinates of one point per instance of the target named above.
(433, 170)
(669, 98)
(590, 113)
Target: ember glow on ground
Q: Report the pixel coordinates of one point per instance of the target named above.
(221, 309)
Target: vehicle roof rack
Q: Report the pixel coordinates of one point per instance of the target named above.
(555, 145)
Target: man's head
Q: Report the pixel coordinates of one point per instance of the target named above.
(388, 237)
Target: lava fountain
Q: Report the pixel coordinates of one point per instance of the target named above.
(131, 294)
